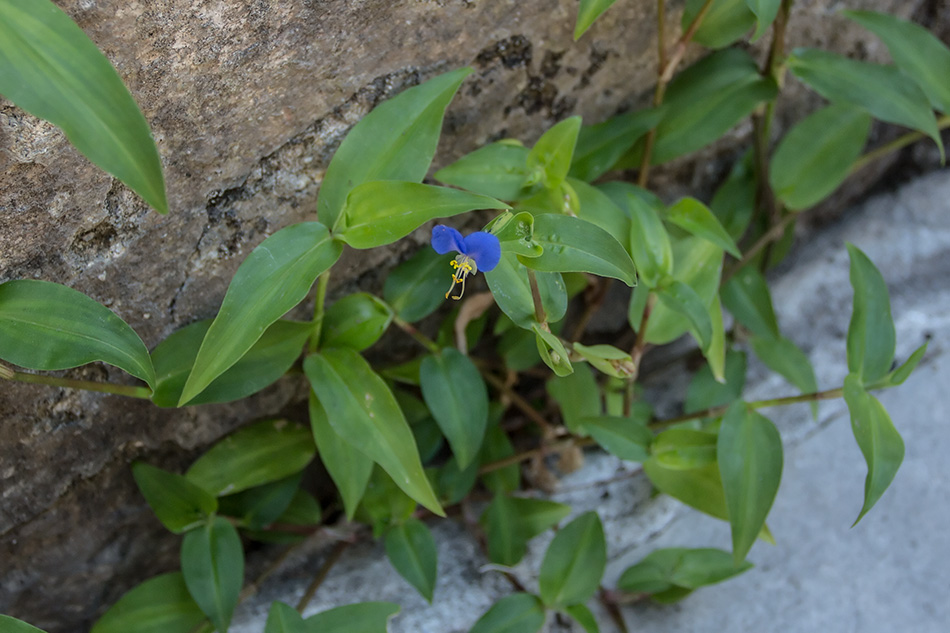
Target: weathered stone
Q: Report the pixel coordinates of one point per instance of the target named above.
(247, 101)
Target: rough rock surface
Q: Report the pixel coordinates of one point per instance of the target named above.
(247, 101)
(887, 573)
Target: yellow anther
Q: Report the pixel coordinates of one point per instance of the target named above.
(463, 269)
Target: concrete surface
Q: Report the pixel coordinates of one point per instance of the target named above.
(889, 573)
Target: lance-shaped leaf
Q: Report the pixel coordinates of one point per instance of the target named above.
(396, 141)
(159, 605)
(607, 358)
(681, 298)
(587, 13)
(212, 562)
(550, 158)
(879, 441)
(13, 625)
(750, 463)
(705, 101)
(581, 614)
(357, 320)
(47, 326)
(700, 488)
(384, 211)
(577, 395)
(552, 351)
(267, 360)
(734, 200)
(694, 217)
(574, 245)
(627, 438)
(361, 617)
(705, 391)
(498, 170)
(724, 23)
(511, 288)
(871, 336)
(517, 613)
(915, 50)
(765, 12)
(257, 454)
(416, 287)
(816, 155)
(364, 412)
(455, 393)
(51, 69)
(177, 502)
(597, 208)
(671, 574)
(747, 297)
(510, 522)
(495, 447)
(787, 359)
(574, 562)
(902, 373)
(684, 449)
(283, 618)
(600, 146)
(649, 241)
(884, 91)
(258, 507)
(349, 469)
(274, 278)
(411, 550)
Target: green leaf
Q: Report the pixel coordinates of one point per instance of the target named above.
(915, 50)
(649, 241)
(551, 155)
(510, 522)
(303, 510)
(274, 278)
(704, 102)
(52, 70)
(267, 361)
(212, 562)
(178, 503)
(498, 170)
(816, 155)
(517, 613)
(627, 438)
(765, 12)
(577, 395)
(902, 373)
(356, 321)
(750, 463)
(673, 568)
(600, 146)
(495, 447)
(587, 13)
(362, 410)
(705, 392)
(597, 208)
(884, 91)
(283, 618)
(515, 232)
(715, 352)
(552, 351)
(607, 359)
(416, 288)
(734, 200)
(453, 483)
(535, 516)
(574, 245)
(12, 625)
(349, 468)
(46, 326)
(694, 217)
(159, 605)
(456, 394)
(583, 616)
(684, 449)
(871, 336)
(880, 443)
(726, 21)
(411, 550)
(785, 358)
(384, 504)
(396, 141)
(512, 291)
(362, 617)
(681, 298)
(699, 488)
(257, 454)
(574, 562)
(260, 506)
(384, 211)
(747, 297)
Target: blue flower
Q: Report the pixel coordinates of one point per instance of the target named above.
(477, 251)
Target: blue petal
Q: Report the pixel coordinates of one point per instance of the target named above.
(484, 248)
(445, 239)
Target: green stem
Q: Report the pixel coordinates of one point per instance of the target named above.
(319, 309)
(713, 412)
(143, 393)
(539, 313)
(421, 338)
(899, 143)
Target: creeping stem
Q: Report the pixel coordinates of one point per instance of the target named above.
(143, 393)
(539, 313)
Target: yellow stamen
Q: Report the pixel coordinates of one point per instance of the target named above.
(463, 269)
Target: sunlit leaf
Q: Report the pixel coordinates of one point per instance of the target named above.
(396, 141)
(52, 70)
